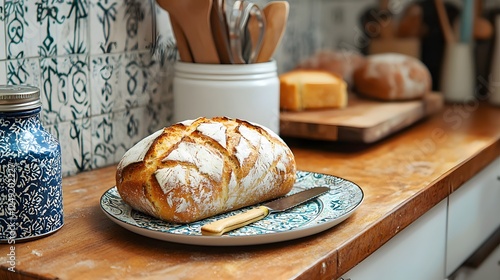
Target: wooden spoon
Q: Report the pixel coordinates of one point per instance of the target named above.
(182, 44)
(193, 17)
(444, 22)
(276, 16)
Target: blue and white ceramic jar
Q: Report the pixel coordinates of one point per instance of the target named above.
(30, 168)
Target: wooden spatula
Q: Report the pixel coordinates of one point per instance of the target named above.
(193, 16)
(182, 44)
(276, 15)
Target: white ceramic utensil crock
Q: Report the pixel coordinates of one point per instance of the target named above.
(245, 91)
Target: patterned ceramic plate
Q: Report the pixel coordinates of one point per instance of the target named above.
(309, 218)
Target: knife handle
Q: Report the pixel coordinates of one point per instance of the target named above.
(233, 222)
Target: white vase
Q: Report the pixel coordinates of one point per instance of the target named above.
(458, 74)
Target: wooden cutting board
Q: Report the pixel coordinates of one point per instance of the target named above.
(363, 120)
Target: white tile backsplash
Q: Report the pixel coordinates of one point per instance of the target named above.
(70, 29)
(65, 91)
(120, 26)
(24, 71)
(3, 72)
(75, 138)
(24, 33)
(2, 32)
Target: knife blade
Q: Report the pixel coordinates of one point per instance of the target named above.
(258, 213)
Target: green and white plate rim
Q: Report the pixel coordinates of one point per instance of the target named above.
(304, 220)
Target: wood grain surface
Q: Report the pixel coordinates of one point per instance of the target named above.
(403, 176)
(363, 120)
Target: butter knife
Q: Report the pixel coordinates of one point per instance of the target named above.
(255, 214)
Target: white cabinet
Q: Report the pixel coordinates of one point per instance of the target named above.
(417, 252)
(473, 215)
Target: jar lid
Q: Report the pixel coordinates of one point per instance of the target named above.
(19, 98)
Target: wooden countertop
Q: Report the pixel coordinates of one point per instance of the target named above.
(402, 176)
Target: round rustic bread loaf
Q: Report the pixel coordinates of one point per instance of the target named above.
(199, 168)
(392, 76)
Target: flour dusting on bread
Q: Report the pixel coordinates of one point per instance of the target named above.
(199, 168)
(138, 152)
(392, 76)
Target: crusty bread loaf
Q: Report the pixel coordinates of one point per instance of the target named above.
(199, 168)
(392, 76)
(311, 89)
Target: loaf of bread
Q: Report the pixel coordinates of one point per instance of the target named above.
(311, 89)
(199, 168)
(392, 76)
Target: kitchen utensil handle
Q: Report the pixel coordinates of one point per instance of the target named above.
(181, 41)
(259, 16)
(233, 222)
(467, 21)
(444, 21)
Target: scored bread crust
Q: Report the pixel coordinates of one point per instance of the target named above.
(200, 168)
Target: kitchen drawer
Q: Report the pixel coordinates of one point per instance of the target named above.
(473, 215)
(489, 269)
(415, 253)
